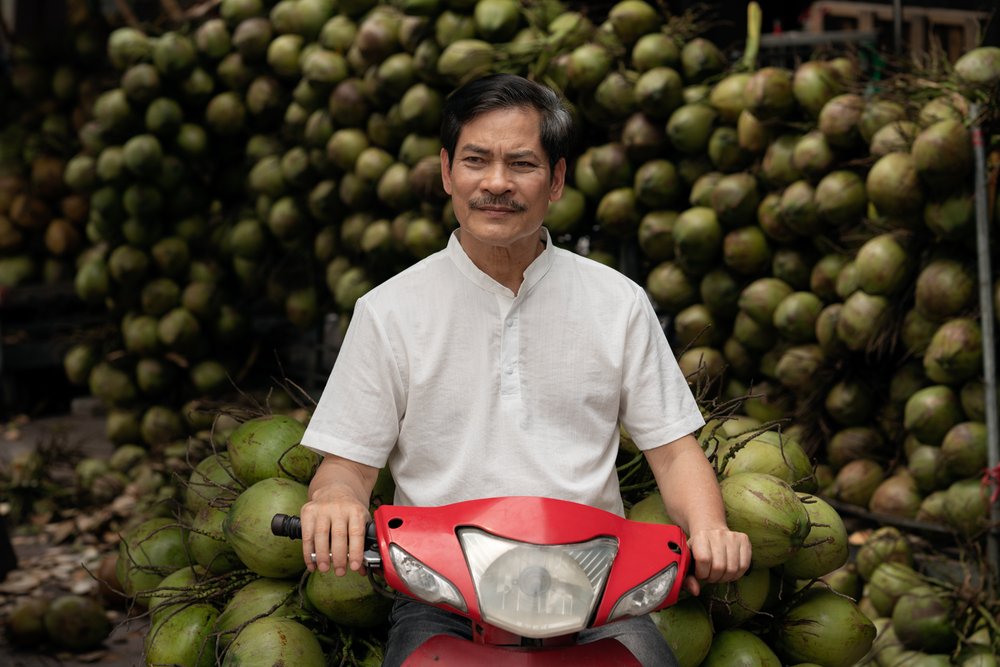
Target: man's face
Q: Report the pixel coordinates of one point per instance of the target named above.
(500, 182)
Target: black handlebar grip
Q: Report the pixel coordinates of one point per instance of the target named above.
(284, 525)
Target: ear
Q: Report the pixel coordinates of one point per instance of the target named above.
(558, 180)
(445, 171)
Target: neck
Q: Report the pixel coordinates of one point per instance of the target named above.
(505, 264)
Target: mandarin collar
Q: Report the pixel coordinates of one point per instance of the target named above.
(534, 273)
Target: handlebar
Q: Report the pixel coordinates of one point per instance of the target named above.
(284, 525)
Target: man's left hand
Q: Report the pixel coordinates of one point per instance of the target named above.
(720, 555)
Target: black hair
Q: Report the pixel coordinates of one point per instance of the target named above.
(507, 91)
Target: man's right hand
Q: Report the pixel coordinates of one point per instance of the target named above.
(335, 517)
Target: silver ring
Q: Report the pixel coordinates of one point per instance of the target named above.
(313, 556)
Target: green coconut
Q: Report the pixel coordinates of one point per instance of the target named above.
(798, 208)
(701, 59)
(953, 217)
(777, 166)
(690, 128)
(656, 235)
(719, 291)
(76, 622)
(760, 299)
(945, 288)
(767, 509)
(182, 637)
(207, 542)
(212, 478)
(894, 137)
(839, 120)
(885, 544)
(798, 365)
(753, 334)
(247, 527)
(856, 481)
(697, 236)
(954, 353)
(922, 619)
(79, 361)
(825, 628)
(883, 265)
(823, 278)
(658, 91)
(979, 66)
(841, 198)
(964, 449)
(850, 401)
(897, 496)
(687, 627)
(746, 251)
(769, 93)
(825, 547)
(263, 597)
(348, 600)
(894, 186)
(813, 155)
(695, 324)
(735, 199)
(275, 641)
(967, 506)
(826, 330)
(739, 647)
(862, 319)
(877, 114)
(752, 135)
(888, 582)
(650, 510)
(926, 465)
(269, 446)
(148, 553)
(701, 362)
(815, 82)
(855, 442)
(733, 604)
(795, 316)
(942, 154)
(769, 453)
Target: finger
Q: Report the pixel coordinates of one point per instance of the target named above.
(692, 586)
(356, 541)
(338, 545)
(308, 527)
(321, 544)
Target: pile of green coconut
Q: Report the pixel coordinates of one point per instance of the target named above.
(217, 585)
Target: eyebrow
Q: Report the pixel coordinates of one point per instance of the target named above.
(512, 155)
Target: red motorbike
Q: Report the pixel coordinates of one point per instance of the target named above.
(529, 573)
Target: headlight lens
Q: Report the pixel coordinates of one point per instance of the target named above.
(424, 582)
(647, 596)
(537, 591)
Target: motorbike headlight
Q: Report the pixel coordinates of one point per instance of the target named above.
(647, 596)
(537, 591)
(424, 582)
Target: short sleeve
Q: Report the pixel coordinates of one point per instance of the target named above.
(657, 406)
(358, 413)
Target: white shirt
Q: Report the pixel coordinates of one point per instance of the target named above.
(469, 391)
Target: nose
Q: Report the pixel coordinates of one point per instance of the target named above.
(496, 179)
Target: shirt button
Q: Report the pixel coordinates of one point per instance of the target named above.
(509, 370)
(510, 323)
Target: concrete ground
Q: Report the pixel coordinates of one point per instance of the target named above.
(51, 559)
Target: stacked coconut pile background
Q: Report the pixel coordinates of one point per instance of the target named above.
(807, 230)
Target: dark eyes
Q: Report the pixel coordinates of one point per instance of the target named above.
(475, 160)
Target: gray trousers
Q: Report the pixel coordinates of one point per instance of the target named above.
(413, 623)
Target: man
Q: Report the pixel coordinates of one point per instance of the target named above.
(502, 365)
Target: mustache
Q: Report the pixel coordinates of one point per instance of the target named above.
(497, 201)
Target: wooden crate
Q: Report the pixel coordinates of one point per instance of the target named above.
(956, 30)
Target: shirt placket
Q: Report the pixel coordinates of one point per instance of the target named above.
(510, 370)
